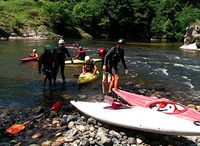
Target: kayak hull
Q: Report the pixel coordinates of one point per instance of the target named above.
(138, 118)
(27, 59)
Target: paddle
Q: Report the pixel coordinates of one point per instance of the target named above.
(16, 128)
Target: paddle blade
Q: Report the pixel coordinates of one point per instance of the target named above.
(16, 128)
(56, 107)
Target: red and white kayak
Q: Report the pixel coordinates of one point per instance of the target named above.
(138, 118)
(28, 59)
(161, 105)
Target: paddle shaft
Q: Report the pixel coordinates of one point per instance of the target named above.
(14, 129)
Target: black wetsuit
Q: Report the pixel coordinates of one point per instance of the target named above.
(46, 62)
(60, 55)
(113, 57)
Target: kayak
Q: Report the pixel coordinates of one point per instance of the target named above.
(87, 77)
(162, 105)
(138, 118)
(190, 47)
(77, 61)
(28, 59)
(75, 48)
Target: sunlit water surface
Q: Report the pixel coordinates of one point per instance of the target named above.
(151, 65)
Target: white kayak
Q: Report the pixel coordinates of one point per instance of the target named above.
(138, 118)
(190, 47)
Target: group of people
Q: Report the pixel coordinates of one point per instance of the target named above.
(50, 62)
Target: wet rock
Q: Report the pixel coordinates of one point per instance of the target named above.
(92, 129)
(57, 123)
(63, 120)
(57, 143)
(191, 106)
(71, 132)
(58, 134)
(70, 125)
(102, 135)
(91, 121)
(85, 142)
(71, 118)
(34, 145)
(131, 140)
(46, 143)
(36, 135)
(81, 128)
(140, 139)
(82, 96)
(114, 134)
(198, 108)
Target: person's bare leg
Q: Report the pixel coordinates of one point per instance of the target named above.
(104, 84)
(111, 84)
(116, 81)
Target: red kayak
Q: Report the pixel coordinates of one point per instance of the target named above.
(28, 59)
(161, 105)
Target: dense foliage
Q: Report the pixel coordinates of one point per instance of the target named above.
(132, 19)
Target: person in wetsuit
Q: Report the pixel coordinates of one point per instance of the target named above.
(45, 64)
(89, 66)
(81, 54)
(106, 78)
(112, 58)
(60, 55)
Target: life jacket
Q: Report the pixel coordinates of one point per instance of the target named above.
(89, 67)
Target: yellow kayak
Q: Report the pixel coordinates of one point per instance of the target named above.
(87, 77)
(77, 61)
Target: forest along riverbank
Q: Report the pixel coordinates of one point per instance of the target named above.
(70, 127)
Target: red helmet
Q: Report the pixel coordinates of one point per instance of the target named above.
(102, 52)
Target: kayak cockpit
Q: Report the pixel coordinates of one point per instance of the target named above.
(168, 107)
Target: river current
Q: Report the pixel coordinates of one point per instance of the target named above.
(151, 65)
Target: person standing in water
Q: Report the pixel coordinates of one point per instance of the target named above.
(112, 58)
(106, 78)
(45, 64)
(60, 53)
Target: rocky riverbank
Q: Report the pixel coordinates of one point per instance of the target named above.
(69, 127)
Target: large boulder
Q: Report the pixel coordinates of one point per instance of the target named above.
(192, 36)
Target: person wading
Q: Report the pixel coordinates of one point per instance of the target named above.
(45, 63)
(60, 55)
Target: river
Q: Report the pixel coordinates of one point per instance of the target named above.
(151, 65)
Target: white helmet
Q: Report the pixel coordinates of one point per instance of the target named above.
(34, 50)
(61, 41)
(87, 58)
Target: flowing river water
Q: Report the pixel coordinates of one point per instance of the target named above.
(151, 65)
